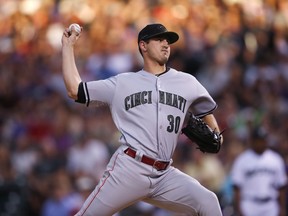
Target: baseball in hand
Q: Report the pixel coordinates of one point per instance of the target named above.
(76, 27)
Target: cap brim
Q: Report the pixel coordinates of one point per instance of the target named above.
(172, 37)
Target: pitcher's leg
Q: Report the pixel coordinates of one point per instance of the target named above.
(120, 186)
(181, 193)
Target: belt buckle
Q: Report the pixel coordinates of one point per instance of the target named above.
(155, 165)
(158, 165)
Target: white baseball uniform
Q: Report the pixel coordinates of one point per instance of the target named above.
(259, 177)
(149, 112)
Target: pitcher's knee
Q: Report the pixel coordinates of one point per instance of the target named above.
(209, 204)
(211, 197)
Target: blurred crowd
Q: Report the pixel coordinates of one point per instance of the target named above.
(53, 151)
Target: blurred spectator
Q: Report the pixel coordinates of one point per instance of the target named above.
(25, 155)
(62, 200)
(216, 74)
(39, 180)
(84, 185)
(12, 197)
(207, 169)
(88, 157)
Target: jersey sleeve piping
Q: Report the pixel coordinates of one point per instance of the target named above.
(86, 94)
(201, 115)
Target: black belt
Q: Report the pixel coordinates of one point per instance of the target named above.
(262, 200)
(158, 165)
(259, 199)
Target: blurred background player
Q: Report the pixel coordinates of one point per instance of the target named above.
(259, 179)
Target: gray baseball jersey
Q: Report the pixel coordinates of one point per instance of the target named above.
(149, 112)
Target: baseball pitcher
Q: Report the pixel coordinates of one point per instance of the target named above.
(148, 108)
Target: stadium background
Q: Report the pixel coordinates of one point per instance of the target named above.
(52, 150)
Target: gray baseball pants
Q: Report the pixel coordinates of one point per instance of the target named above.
(127, 181)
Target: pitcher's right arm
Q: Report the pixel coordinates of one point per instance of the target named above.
(70, 72)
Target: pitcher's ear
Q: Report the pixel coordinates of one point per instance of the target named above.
(142, 46)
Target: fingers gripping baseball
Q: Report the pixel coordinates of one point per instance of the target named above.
(74, 28)
(71, 34)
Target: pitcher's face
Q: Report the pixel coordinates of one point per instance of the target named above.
(158, 49)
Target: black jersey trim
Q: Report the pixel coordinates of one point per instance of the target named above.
(82, 94)
(167, 69)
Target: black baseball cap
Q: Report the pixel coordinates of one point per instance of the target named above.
(259, 133)
(156, 30)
